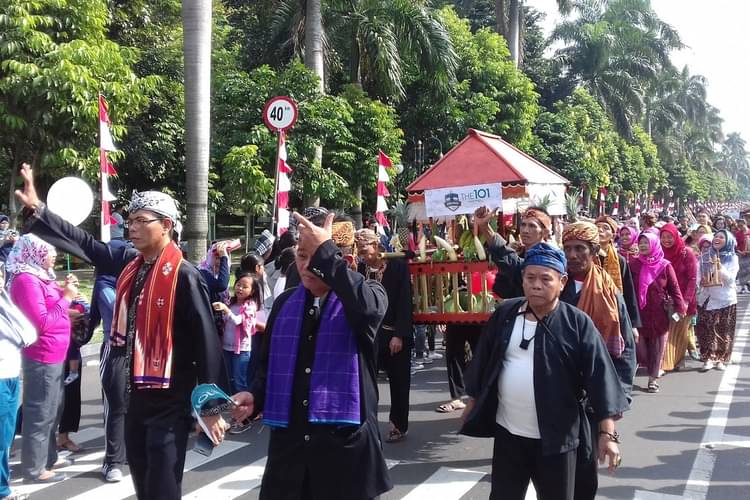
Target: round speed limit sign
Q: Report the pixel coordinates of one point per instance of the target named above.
(280, 113)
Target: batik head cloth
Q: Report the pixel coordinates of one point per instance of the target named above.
(606, 219)
(343, 234)
(543, 254)
(582, 231)
(155, 201)
(310, 213)
(544, 219)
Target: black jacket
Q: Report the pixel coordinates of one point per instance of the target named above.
(626, 363)
(340, 462)
(571, 369)
(509, 282)
(398, 320)
(197, 354)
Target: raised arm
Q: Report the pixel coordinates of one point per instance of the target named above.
(66, 237)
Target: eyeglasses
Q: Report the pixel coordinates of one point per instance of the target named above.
(141, 221)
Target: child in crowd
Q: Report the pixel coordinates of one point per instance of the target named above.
(243, 317)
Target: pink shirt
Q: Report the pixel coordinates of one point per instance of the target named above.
(42, 302)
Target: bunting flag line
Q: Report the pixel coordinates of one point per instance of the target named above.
(105, 168)
(382, 190)
(284, 186)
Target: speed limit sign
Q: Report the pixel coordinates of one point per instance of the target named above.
(280, 113)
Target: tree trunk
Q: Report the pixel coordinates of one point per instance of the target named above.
(514, 30)
(354, 76)
(501, 26)
(196, 22)
(357, 208)
(314, 61)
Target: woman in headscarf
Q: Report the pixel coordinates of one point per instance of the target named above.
(717, 306)
(628, 242)
(659, 297)
(742, 235)
(45, 304)
(685, 266)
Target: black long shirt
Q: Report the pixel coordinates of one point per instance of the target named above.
(398, 320)
(338, 462)
(570, 362)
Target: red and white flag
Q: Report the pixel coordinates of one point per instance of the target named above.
(602, 200)
(284, 185)
(616, 208)
(105, 168)
(381, 206)
(638, 205)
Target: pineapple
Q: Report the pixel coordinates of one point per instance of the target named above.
(400, 212)
(571, 205)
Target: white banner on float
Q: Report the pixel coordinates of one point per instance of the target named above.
(446, 202)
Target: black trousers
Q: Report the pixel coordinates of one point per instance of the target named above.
(71, 413)
(398, 368)
(156, 456)
(456, 337)
(587, 472)
(517, 460)
(112, 371)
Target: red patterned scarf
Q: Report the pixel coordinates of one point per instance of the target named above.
(152, 346)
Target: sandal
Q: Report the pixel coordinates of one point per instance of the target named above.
(653, 387)
(451, 406)
(395, 435)
(70, 446)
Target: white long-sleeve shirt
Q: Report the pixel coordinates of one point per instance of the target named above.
(719, 297)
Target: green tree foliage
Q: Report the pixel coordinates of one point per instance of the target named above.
(490, 93)
(56, 59)
(246, 188)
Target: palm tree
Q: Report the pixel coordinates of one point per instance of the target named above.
(734, 158)
(196, 22)
(616, 49)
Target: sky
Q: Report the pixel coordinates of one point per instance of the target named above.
(718, 47)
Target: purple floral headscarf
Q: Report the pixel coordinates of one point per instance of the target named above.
(29, 255)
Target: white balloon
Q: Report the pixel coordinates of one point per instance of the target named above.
(71, 198)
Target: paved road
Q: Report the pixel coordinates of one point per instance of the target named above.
(692, 440)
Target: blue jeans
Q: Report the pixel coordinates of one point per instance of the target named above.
(237, 368)
(9, 392)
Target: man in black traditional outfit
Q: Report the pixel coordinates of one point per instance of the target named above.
(394, 341)
(534, 363)
(591, 288)
(316, 382)
(164, 322)
(536, 227)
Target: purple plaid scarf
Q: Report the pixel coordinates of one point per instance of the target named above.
(334, 387)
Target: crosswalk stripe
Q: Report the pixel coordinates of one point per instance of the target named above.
(124, 489)
(446, 483)
(86, 463)
(233, 485)
(82, 436)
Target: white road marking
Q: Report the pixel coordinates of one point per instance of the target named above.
(232, 485)
(124, 489)
(446, 483)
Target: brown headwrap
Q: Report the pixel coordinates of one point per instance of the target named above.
(583, 231)
(342, 234)
(599, 293)
(611, 259)
(544, 219)
(608, 220)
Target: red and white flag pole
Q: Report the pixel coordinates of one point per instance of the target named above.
(381, 207)
(105, 168)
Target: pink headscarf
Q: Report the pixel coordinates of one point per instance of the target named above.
(625, 251)
(651, 265)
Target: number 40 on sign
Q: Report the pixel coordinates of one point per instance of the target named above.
(280, 113)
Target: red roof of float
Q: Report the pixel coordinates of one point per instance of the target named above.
(482, 158)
